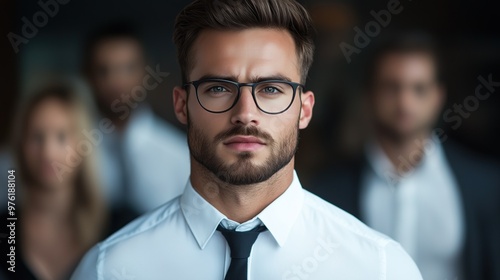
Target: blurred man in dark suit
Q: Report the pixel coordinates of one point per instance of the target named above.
(412, 182)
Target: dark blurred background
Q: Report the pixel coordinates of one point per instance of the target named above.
(466, 30)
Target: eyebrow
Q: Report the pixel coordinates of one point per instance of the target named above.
(254, 79)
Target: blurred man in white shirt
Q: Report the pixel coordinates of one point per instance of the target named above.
(144, 160)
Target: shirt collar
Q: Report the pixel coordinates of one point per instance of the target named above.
(279, 216)
(140, 124)
(137, 129)
(383, 167)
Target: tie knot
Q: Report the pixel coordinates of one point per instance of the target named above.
(241, 242)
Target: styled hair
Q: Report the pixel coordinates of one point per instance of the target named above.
(239, 15)
(112, 31)
(88, 214)
(409, 42)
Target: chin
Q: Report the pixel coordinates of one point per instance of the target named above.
(232, 155)
(405, 133)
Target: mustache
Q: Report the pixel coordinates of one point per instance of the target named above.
(245, 131)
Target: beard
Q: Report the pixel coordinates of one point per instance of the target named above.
(243, 171)
(397, 135)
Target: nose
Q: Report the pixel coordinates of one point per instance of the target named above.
(407, 98)
(245, 112)
(48, 150)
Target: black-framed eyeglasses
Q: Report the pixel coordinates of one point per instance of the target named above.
(220, 95)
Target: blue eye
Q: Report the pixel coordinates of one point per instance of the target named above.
(217, 89)
(271, 90)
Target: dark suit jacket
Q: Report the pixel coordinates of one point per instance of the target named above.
(479, 186)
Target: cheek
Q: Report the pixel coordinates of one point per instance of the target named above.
(32, 157)
(207, 123)
(132, 81)
(102, 82)
(72, 143)
(31, 153)
(382, 106)
(430, 111)
(59, 152)
(279, 126)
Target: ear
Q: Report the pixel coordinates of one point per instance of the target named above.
(180, 104)
(306, 111)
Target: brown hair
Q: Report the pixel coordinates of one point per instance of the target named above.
(89, 214)
(403, 42)
(243, 14)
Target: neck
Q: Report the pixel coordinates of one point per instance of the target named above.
(116, 118)
(120, 124)
(407, 151)
(240, 203)
(53, 202)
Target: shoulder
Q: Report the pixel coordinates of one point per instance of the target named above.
(143, 224)
(167, 139)
(460, 156)
(125, 241)
(337, 219)
(148, 128)
(338, 180)
(154, 139)
(168, 130)
(477, 175)
(387, 255)
(346, 168)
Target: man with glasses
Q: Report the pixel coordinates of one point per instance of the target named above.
(244, 214)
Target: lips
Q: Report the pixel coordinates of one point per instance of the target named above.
(244, 143)
(244, 139)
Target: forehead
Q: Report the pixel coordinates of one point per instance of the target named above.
(410, 65)
(51, 113)
(256, 52)
(116, 49)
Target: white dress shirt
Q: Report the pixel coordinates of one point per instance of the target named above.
(307, 238)
(421, 210)
(156, 158)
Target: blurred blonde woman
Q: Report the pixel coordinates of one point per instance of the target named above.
(61, 212)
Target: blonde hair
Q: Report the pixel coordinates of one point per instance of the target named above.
(88, 213)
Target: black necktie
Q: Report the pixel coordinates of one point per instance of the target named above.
(240, 244)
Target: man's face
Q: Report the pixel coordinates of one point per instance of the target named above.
(117, 66)
(405, 97)
(243, 145)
